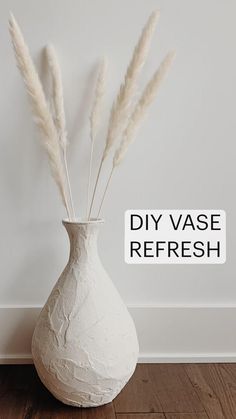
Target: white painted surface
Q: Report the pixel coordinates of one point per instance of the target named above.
(184, 156)
(166, 333)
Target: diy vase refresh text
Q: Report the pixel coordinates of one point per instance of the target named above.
(85, 346)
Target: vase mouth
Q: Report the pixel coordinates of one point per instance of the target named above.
(82, 221)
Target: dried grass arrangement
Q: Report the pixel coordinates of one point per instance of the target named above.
(126, 114)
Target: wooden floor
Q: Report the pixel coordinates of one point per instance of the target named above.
(156, 391)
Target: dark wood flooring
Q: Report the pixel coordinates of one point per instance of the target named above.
(156, 391)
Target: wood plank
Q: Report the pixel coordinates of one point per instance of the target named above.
(156, 391)
(42, 405)
(227, 375)
(15, 381)
(54, 412)
(4, 372)
(13, 404)
(138, 395)
(174, 389)
(186, 416)
(216, 387)
(140, 416)
(57, 410)
(103, 412)
(16, 377)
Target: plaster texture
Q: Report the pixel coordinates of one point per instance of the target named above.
(84, 346)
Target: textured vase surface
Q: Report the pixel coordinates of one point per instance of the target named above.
(84, 345)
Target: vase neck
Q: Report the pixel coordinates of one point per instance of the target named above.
(83, 239)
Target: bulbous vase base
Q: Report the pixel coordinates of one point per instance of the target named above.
(84, 346)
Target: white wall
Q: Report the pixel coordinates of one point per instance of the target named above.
(184, 156)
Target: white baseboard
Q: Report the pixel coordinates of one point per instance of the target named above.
(166, 333)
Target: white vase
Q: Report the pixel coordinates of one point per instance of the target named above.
(84, 344)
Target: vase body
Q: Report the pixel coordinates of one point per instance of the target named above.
(84, 344)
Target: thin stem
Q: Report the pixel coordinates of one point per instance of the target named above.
(89, 176)
(67, 206)
(104, 194)
(68, 184)
(95, 188)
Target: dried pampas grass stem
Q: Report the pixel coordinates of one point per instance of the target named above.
(121, 106)
(138, 115)
(42, 115)
(59, 112)
(105, 191)
(95, 116)
(57, 94)
(126, 113)
(140, 109)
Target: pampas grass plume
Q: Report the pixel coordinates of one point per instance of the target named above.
(57, 93)
(40, 109)
(96, 112)
(120, 108)
(95, 116)
(137, 116)
(125, 116)
(59, 112)
(140, 109)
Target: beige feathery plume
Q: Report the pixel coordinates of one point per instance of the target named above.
(95, 116)
(121, 106)
(140, 109)
(138, 114)
(57, 94)
(59, 111)
(40, 109)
